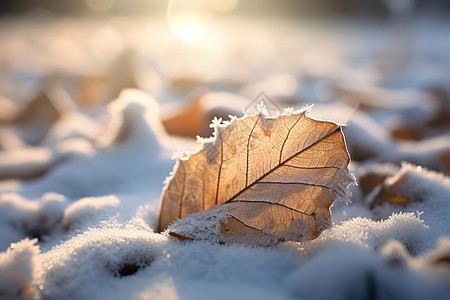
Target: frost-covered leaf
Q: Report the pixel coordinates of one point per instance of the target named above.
(373, 175)
(274, 179)
(411, 184)
(390, 192)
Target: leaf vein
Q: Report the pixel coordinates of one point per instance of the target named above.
(219, 136)
(269, 202)
(287, 137)
(248, 150)
(338, 128)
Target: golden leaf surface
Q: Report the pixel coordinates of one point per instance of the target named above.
(272, 179)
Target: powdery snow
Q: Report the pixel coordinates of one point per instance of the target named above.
(21, 271)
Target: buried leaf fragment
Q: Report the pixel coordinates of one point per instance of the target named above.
(259, 181)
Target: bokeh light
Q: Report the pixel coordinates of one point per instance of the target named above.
(189, 20)
(223, 6)
(100, 5)
(107, 43)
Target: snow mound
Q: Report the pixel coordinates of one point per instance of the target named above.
(134, 132)
(405, 227)
(427, 191)
(132, 261)
(94, 258)
(135, 122)
(351, 272)
(89, 210)
(20, 271)
(32, 218)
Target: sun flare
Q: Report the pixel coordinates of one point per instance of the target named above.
(188, 26)
(191, 20)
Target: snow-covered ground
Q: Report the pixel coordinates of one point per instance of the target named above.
(82, 169)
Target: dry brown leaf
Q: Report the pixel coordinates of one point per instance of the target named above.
(373, 176)
(445, 158)
(397, 188)
(394, 190)
(39, 112)
(273, 179)
(368, 182)
(409, 132)
(189, 122)
(390, 192)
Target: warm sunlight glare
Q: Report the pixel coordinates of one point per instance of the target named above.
(190, 20)
(188, 26)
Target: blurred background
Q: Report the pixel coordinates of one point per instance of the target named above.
(83, 161)
(284, 7)
(381, 67)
